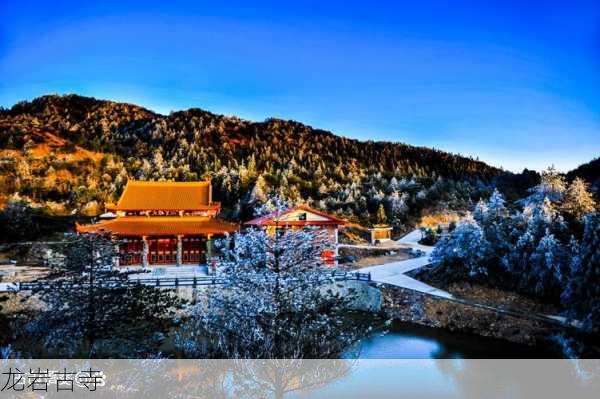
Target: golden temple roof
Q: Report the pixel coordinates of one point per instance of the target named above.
(160, 226)
(165, 195)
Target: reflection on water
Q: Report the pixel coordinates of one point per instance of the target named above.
(410, 341)
(404, 361)
(363, 378)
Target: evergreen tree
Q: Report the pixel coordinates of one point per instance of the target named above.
(552, 186)
(578, 201)
(496, 206)
(464, 254)
(381, 217)
(258, 195)
(481, 211)
(582, 295)
(534, 230)
(548, 263)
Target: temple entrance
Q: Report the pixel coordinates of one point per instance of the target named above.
(162, 251)
(193, 250)
(130, 252)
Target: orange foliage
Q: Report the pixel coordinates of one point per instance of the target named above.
(435, 220)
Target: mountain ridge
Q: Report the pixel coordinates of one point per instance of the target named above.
(74, 153)
(22, 106)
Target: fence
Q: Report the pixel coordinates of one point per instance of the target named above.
(175, 282)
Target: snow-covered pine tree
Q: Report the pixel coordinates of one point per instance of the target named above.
(274, 204)
(381, 217)
(496, 206)
(258, 195)
(397, 204)
(525, 261)
(277, 302)
(548, 263)
(464, 254)
(552, 186)
(582, 295)
(480, 211)
(492, 217)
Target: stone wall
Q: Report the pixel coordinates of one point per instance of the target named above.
(410, 306)
(367, 297)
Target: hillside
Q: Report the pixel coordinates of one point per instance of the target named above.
(74, 153)
(589, 171)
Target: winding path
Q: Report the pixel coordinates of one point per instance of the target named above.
(394, 273)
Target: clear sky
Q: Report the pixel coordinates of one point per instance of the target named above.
(516, 84)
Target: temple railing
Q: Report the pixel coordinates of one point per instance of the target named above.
(175, 282)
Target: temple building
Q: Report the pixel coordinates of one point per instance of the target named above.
(302, 216)
(380, 233)
(163, 223)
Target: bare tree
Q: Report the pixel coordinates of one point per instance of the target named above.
(90, 309)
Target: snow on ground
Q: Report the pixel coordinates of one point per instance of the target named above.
(168, 272)
(412, 240)
(9, 287)
(394, 273)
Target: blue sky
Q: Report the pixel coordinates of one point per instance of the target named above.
(516, 84)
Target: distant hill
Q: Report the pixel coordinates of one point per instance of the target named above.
(588, 171)
(72, 152)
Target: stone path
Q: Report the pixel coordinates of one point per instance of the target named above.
(395, 273)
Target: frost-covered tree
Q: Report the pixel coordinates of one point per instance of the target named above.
(274, 204)
(578, 201)
(538, 235)
(277, 302)
(527, 251)
(394, 184)
(496, 206)
(492, 216)
(465, 253)
(548, 262)
(397, 204)
(92, 310)
(582, 295)
(552, 186)
(480, 211)
(258, 195)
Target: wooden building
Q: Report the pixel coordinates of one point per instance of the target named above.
(303, 216)
(380, 233)
(163, 223)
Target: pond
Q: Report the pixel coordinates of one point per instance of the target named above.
(406, 360)
(403, 340)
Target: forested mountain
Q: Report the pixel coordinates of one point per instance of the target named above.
(70, 153)
(589, 172)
